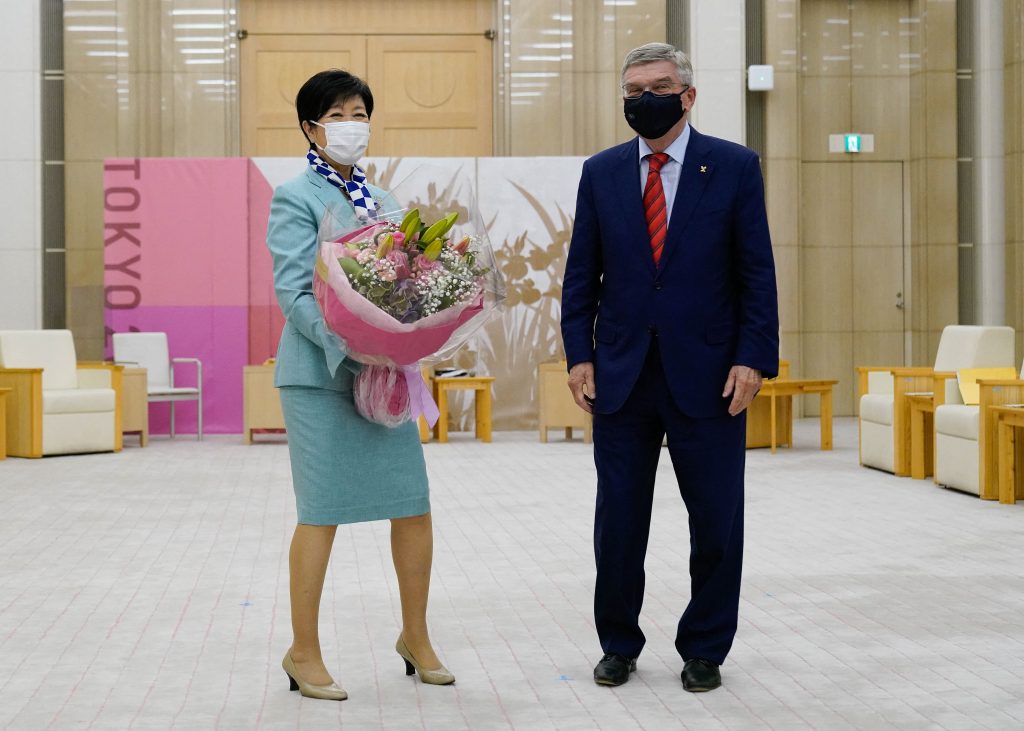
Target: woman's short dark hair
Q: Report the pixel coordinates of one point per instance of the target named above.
(327, 88)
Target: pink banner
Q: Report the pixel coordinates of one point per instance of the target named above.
(184, 254)
(265, 318)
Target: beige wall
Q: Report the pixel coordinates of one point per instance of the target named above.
(1014, 126)
(21, 163)
(562, 72)
(933, 285)
(781, 164)
(848, 233)
(142, 78)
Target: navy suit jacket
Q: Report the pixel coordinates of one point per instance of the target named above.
(711, 301)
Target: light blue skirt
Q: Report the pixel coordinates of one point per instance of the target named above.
(346, 469)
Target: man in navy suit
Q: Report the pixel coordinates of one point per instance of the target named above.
(670, 321)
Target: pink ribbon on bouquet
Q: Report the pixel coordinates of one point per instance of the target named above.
(421, 402)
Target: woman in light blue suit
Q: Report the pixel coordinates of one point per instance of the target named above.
(345, 469)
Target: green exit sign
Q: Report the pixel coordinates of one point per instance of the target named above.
(851, 142)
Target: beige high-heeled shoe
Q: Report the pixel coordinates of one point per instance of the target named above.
(332, 692)
(439, 676)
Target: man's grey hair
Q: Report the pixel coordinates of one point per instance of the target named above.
(650, 52)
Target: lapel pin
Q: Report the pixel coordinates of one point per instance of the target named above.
(703, 168)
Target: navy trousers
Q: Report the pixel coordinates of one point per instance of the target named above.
(708, 458)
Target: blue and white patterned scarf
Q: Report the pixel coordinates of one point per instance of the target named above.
(358, 193)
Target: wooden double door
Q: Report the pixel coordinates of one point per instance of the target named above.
(429, 66)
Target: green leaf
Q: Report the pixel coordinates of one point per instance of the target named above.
(350, 266)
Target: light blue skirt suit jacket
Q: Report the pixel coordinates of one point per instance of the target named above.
(345, 469)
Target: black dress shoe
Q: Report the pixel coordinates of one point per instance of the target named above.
(700, 675)
(614, 669)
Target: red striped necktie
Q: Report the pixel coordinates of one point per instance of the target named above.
(654, 204)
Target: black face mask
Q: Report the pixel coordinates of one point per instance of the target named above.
(652, 115)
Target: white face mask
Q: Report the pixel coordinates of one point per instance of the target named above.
(346, 141)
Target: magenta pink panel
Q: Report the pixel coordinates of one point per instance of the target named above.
(214, 335)
(179, 259)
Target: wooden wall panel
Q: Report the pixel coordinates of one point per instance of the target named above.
(380, 16)
(431, 73)
(273, 69)
(851, 269)
(433, 95)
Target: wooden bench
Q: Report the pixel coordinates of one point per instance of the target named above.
(775, 389)
(481, 388)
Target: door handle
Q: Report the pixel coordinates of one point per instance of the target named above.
(899, 301)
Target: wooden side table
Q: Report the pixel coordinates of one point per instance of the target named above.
(992, 393)
(922, 434)
(1008, 420)
(135, 403)
(262, 402)
(3, 421)
(481, 387)
(555, 405)
(759, 417)
(773, 390)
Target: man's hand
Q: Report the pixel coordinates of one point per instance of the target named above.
(743, 384)
(581, 383)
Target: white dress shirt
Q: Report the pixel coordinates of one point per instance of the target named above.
(669, 171)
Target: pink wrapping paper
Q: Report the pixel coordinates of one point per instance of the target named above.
(372, 335)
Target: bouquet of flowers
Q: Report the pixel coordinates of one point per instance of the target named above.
(401, 292)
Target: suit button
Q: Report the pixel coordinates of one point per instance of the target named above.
(657, 285)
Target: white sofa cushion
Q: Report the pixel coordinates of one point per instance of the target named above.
(78, 433)
(876, 408)
(876, 446)
(956, 462)
(95, 378)
(880, 382)
(51, 350)
(974, 346)
(78, 400)
(958, 420)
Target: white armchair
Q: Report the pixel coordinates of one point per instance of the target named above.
(58, 406)
(150, 351)
(884, 410)
(965, 439)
